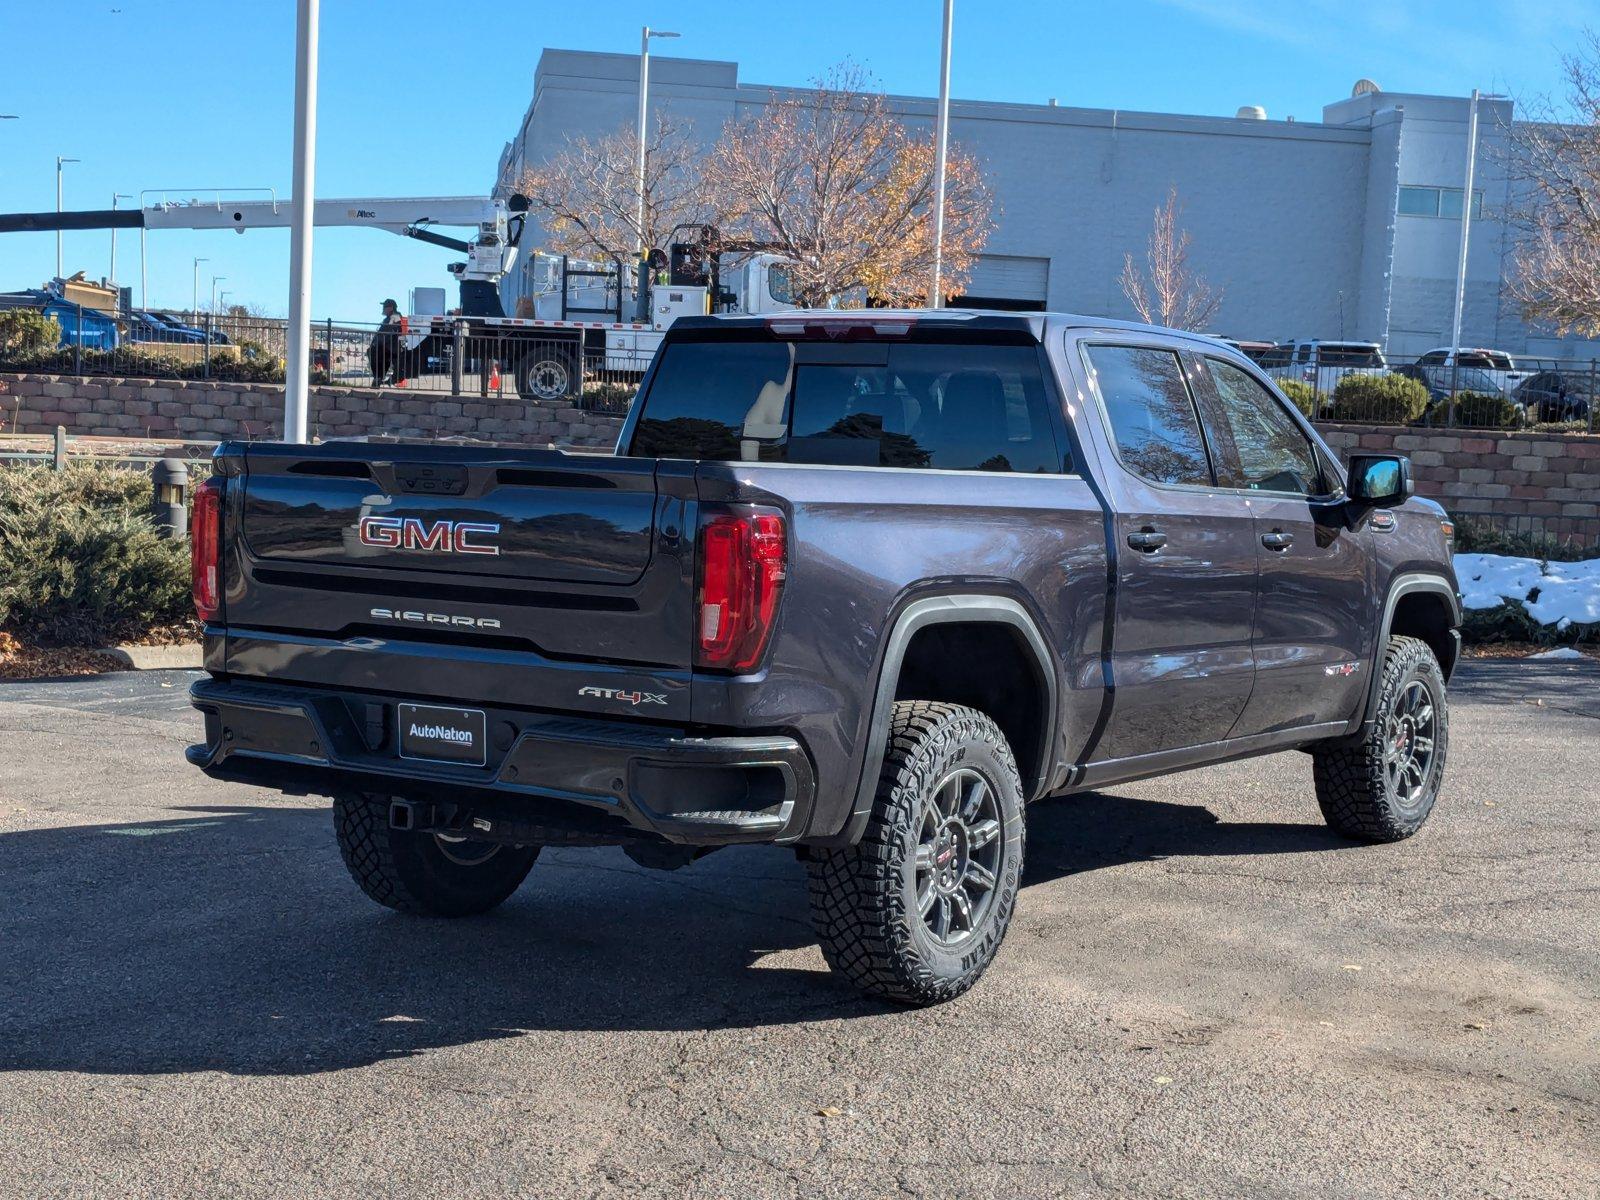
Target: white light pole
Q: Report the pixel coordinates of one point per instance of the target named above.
(1466, 226)
(144, 275)
(942, 139)
(59, 161)
(215, 279)
(645, 35)
(115, 196)
(297, 373)
(194, 299)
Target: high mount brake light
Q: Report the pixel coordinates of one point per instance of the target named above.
(743, 556)
(205, 546)
(844, 329)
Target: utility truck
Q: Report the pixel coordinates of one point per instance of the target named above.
(577, 312)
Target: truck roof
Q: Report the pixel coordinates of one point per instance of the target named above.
(978, 320)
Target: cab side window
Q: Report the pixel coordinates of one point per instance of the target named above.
(1152, 415)
(1274, 454)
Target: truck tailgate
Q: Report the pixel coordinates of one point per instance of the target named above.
(482, 572)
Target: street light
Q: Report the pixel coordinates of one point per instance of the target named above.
(645, 35)
(194, 299)
(215, 279)
(115, 196)
(59, 161)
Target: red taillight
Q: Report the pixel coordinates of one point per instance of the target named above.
(205, 540)
(742, 559)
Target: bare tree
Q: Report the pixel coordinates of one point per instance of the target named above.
(831, 180)
(1555, 167)
(586, 197)
(1173, 295)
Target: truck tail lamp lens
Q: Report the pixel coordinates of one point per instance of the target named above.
(205, 546)
(742, 566)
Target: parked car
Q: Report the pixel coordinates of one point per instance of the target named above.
(1253, 350)
(149, 327)
(188, 333)
(1438, 381)
(1440, 364)
(1551, 396)
(1323, 364)
(857, 584)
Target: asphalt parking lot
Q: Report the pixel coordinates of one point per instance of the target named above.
(1204, 993)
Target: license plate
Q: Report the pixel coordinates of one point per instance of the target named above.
(442, 734)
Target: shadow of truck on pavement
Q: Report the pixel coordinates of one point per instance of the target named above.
(231, 939)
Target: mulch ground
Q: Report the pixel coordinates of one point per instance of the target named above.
(21, 660)
(55, 662)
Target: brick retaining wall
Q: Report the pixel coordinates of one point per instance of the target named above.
(1531, 474)
(200, 410)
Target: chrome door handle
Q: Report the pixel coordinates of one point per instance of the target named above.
(1277, 540)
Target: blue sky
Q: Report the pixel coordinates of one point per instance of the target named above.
(418, 98)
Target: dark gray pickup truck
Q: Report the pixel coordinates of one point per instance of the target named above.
(862, 585)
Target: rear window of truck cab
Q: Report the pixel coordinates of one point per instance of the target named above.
(938, 405)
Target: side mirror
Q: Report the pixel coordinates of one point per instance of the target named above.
(1381, 480)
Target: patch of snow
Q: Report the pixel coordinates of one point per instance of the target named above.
(1567, 592)
(1563, 652)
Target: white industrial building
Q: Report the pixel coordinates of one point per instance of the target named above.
(1344, 228)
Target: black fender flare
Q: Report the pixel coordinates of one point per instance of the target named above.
(1400, 586)
(948, 608)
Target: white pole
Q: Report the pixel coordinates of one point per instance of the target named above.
(1466, 226)
(58, 209)
(942, 137)
(305, 175)
(644, 100)
(194, 294)
(144, 275)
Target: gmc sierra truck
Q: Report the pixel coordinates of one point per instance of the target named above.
(861, 585)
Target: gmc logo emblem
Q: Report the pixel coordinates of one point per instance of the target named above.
(442, 537)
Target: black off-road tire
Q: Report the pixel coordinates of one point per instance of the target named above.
(864, 902)
(414, 872)
(1354, 788)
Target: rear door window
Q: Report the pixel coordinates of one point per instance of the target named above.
(917, 405)
(1151, 413)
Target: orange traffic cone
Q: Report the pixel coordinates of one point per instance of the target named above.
(494, 377)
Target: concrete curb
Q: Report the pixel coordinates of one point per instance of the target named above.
(184, 657)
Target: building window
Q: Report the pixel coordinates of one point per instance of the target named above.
(1437, 202)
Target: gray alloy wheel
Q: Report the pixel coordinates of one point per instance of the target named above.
(465, 852)
(959, 857)
(1408, 740)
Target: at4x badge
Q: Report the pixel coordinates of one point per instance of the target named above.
(1343, 670)
(634, 698)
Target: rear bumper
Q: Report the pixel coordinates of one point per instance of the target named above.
(574, 778)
